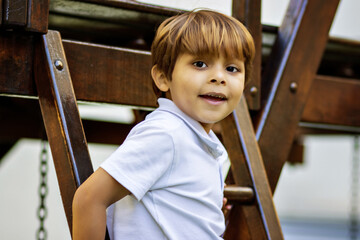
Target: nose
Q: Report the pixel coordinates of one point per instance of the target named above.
(218, 77)
(222, 81)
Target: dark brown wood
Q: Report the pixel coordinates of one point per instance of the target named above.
(249, 12)
(126, 74)
(61, 118)
(239, 10)
(296, 155)
(107, 22)
(1, 12)
(15, 13)
(38, 16)
(95, 78)
(16, 61)
(291, 69)
(238, 228)
(333, 101)
(22, 118)
(106, 132)
(137, 6)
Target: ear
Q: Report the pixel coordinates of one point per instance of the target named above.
(160, 79)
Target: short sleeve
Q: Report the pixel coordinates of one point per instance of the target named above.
(143, 158)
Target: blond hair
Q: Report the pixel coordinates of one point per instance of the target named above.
(201, 33)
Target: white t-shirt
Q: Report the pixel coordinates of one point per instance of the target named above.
(172, 167)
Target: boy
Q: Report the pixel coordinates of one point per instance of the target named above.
(165, 180)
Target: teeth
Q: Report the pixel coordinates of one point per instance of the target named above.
(216, 96)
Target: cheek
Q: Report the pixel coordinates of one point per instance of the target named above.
(237, 89)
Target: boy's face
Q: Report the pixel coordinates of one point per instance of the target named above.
(206, 88)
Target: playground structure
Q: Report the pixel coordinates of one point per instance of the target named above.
(113, 66)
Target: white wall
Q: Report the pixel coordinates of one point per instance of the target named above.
(319, 189)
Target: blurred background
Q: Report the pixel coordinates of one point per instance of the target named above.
(314, 199)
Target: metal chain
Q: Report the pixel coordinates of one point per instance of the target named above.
(41, 233)
(354, 214)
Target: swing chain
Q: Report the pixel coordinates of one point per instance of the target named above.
(41, 233)
(354, 214)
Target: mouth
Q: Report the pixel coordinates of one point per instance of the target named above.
(214, 96)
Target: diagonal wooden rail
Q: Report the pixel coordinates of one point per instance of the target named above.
(61, 118)
(247, 169)
(288, 77)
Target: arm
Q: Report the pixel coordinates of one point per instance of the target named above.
(91, 199)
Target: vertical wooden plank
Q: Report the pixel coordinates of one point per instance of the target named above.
(249, 12)
(1, 12)
(61, 118)
(291, 69)
(15, 13)
(16, 62)
(38, 16)
(239, 10)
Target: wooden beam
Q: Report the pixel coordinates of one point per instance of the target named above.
(38, 16)
(16, 62)
(125, 74)
(1, 12)
(22, 118)
(333, 101)
(138, 6)
(101, 80)
(249, 13)
(15, 13)
(291, 69)
(61, 118)
(115, 23)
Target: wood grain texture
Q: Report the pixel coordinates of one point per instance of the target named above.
(15, 13)
(96, 76)
(249, 13)
(38, 16)
(109, 74)
(296, 56)
(333, 101)
(248, 170)
(61, 119)
(1, 12)
(16, 63)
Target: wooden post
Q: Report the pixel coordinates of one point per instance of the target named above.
(249, 13)
(61, 118)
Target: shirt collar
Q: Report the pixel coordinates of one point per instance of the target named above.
(213, 144)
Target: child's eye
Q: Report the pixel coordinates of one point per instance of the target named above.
(232, 69)
(199, 64)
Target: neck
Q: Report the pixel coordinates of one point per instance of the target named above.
(207, 126)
